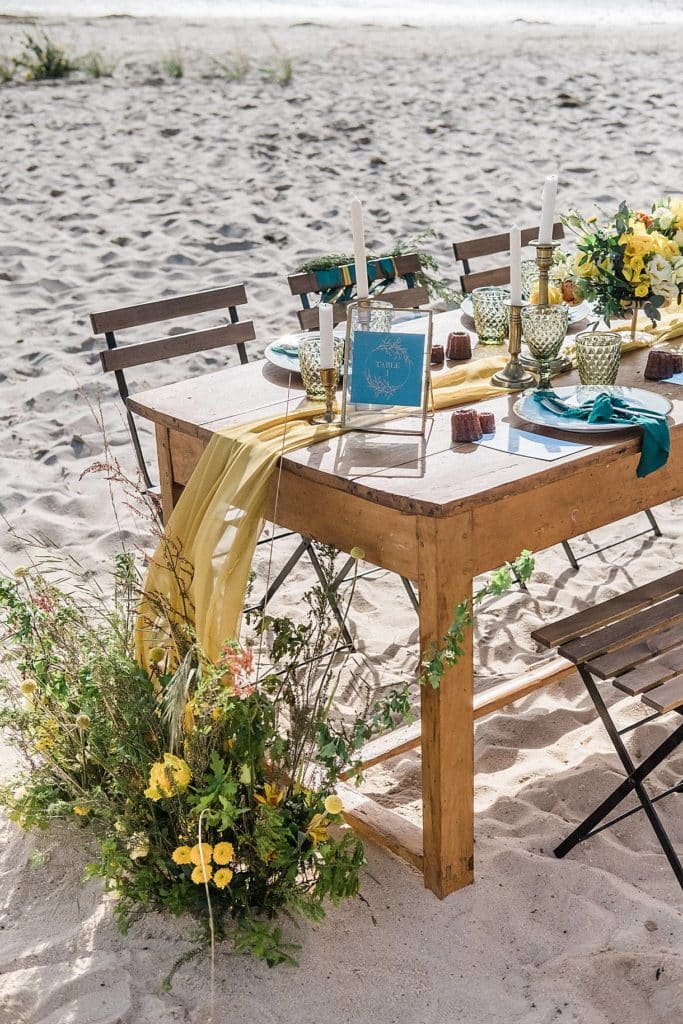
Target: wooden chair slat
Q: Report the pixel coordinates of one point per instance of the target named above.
(309, 319)
(616, 608)
(652, 673)
(626, 630)
(625, 658)
(177, 345)
(488, 245)
(406, 298)
(667, 697)
(168, 309)
(496, 276)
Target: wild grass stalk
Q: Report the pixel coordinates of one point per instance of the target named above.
(96, 65)
(234, 67)
(173, 65)
(42, 58)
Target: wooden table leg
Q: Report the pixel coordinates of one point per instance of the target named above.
(445, 578)
(165, 471)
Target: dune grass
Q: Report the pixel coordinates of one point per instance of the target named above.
(97, 65)
(234, 67)
(7, 68)
(42, 58)
(173, 65)
(280, 70)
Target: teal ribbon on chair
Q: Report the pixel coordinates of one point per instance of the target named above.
(612, 409)
(337, 283)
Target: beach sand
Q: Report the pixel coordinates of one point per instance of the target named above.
(132, 188)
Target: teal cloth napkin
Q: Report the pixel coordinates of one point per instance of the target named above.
(607, 408)
(287, 348)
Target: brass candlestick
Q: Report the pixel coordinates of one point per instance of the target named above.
(328, 376)
(545, 254)
(513, 376)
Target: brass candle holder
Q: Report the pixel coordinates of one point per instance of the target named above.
(328, 376)
(513, 376)
(545, 254)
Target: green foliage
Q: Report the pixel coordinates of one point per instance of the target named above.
(96, 65)
(234, 67)
(435, 663)
(7, 68)
(279, 71)
(144, 761)
(43, 58)
(173, 65)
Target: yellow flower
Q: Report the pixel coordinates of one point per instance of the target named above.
(333, 804)
(44, 744)
(223, 877)
(198, 851)
(82, 811)
(223, 853)
(182, 855)
(274, 795)
(83, 720)
(554, 295)
(168, 777)
(156, 655)
(216, 713)
(317, 829)
(28, 687)
(201, 874)
(357, 553)
(592, 219)
(642, 290)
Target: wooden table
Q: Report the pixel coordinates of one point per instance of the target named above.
(439, 514)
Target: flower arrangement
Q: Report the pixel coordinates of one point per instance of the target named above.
(210, 789)
(627, 262)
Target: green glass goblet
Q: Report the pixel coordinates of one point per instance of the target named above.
(544, 329)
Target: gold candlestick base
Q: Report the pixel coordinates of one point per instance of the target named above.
(513, 376)
(545, 254)
(329, 377)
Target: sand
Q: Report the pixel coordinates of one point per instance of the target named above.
(135, 187)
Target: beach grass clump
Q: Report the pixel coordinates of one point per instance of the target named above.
(280, 70)
(42, 59)
(173, 65)
(96, 65)
(234, 67)
(6, 69)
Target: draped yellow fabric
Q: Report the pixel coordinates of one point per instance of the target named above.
(200, 569)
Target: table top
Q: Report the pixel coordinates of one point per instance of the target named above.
(427, 476)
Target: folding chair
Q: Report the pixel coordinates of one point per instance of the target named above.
(636, 641)
(118, 359)
(491, 245)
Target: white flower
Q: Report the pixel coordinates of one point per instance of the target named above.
(665, 218)
(661, 273)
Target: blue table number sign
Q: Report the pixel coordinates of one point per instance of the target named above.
(386, 374)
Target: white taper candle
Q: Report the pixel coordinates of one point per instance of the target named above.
(545, 233)
(515, 265)
(359, 249)
(326, 336)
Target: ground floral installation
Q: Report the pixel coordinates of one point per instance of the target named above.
(632, 260)
(209, 790)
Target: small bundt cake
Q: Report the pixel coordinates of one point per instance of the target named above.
(459, 345)
(465, 425)
(662, 364)
(437, 356)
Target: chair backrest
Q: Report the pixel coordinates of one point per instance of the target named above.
(117, 359)
(489, 246)
(337, 285)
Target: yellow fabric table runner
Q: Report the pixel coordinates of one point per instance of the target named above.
(201, 567)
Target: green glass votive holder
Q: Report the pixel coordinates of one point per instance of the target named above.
(490, 314)
(309, 362)
(544, 328)
(529, 273)
(597, 356)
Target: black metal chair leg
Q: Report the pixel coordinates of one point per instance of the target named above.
(636, 775)
(653, 522)
(570, 554)
(412, 593)
(330, 594)
(274, 586)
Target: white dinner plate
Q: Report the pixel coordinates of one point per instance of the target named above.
(577, 394)
(576, 313)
